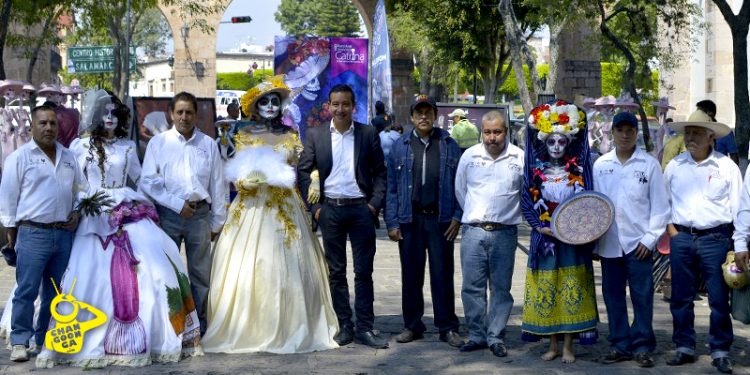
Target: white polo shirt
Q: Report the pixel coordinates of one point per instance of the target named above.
(703, 195)
(641, 203)
(487, 189)
(36, 189)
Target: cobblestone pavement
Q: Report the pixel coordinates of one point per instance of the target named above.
(431, 355)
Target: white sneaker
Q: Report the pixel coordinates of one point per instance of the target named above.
(19, 354)
(33, 350)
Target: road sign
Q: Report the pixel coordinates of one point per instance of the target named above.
(95, 59)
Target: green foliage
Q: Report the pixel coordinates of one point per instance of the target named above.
(88, 81)
(318, 17)
(510, 86)
(240, 80)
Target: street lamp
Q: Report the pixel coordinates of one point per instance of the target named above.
(185, 32)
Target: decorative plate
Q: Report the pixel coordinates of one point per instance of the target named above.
(583, 218)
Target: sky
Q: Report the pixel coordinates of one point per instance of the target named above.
(260, 31)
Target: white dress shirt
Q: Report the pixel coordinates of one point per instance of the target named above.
(703, 195)
(742, 222)
(176, 170)
(487, 189)
(35, 189)
(342, 182)
(641, 204)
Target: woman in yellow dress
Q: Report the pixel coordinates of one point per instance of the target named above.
(269, 280)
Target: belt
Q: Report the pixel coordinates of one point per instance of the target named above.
(426, 211)
(490, 226)
(198, 204)
(722, 229)
(55, 225)
(345, 201)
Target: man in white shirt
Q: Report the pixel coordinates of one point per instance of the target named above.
(489, 180)
(352, 187)
(632, 179)
(40, 184)
(184, 175)
(704, 187)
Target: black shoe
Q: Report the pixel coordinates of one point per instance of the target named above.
(452, 338)
(644, 360)
(614, 356)
(471, 346)
(681, 358)
(344, 337)
(370, 339)
(408, 335)
(499, 349)
(723, 364)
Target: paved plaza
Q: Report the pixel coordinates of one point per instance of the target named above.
(431, 356)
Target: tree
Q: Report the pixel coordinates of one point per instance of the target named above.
(739, 24)
(152, 34)
(631, 26)
(515, 36)
(318, 17)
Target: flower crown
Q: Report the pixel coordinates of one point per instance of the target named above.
(273, 84)
(559, 117)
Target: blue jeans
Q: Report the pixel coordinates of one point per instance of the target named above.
(42, 256)
(689, 255)
(487, 256)
(196, 232)
(616, 272)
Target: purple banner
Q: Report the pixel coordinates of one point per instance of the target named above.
(381, 60)
(313, 65)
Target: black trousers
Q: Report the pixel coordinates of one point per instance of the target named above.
(425, 233)
(355, 221)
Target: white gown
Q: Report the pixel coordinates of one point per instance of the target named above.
(269, 280)
(140, 284)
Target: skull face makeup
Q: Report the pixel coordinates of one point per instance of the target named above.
(556, 144)
(56, 98)
(269, 106)
(9, 94)
(109, 118)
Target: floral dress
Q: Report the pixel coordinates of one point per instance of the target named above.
(123, 264)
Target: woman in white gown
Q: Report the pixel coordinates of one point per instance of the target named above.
(269, 280)
(121, 262)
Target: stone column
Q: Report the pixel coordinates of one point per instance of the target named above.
(579, 68)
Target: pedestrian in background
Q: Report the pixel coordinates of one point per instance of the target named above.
(463, 130)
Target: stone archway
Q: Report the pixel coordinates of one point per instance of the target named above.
(195, 57)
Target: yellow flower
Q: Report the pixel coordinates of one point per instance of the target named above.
(544, 125)
(247, 98)
(554, 117)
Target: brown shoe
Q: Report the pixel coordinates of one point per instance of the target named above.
(408, 335)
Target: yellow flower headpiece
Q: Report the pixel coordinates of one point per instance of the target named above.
(559, 117)
(273, 84)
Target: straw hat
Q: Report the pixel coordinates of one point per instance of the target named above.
(17, 86)
(700, 118)
(49, 89)
(663, 103)
(605, 101)
(458, 112)
(274, 84)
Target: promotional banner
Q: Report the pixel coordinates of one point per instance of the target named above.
(381, 60)
(313, 65)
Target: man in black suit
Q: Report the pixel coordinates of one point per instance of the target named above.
(348, 156)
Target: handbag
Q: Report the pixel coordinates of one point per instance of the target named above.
(9, 255)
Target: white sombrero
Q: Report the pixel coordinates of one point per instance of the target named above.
(700, 118)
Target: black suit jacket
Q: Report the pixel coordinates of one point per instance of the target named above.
(369, 166)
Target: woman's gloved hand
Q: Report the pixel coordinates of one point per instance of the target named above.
(313, 192)
(253, 180)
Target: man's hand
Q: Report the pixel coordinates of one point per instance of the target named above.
(187, 210)
(395, 234)
(595, 257)
(72, 222)
(642, 252)
(215, 235)
(452, 231)
(145, 134)
(741, 259)
(317, 214)
(671, 230)
(11, 234)
(373, 211)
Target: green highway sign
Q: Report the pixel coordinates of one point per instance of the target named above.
(95, 59)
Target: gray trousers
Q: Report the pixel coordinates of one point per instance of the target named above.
(196, 232)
